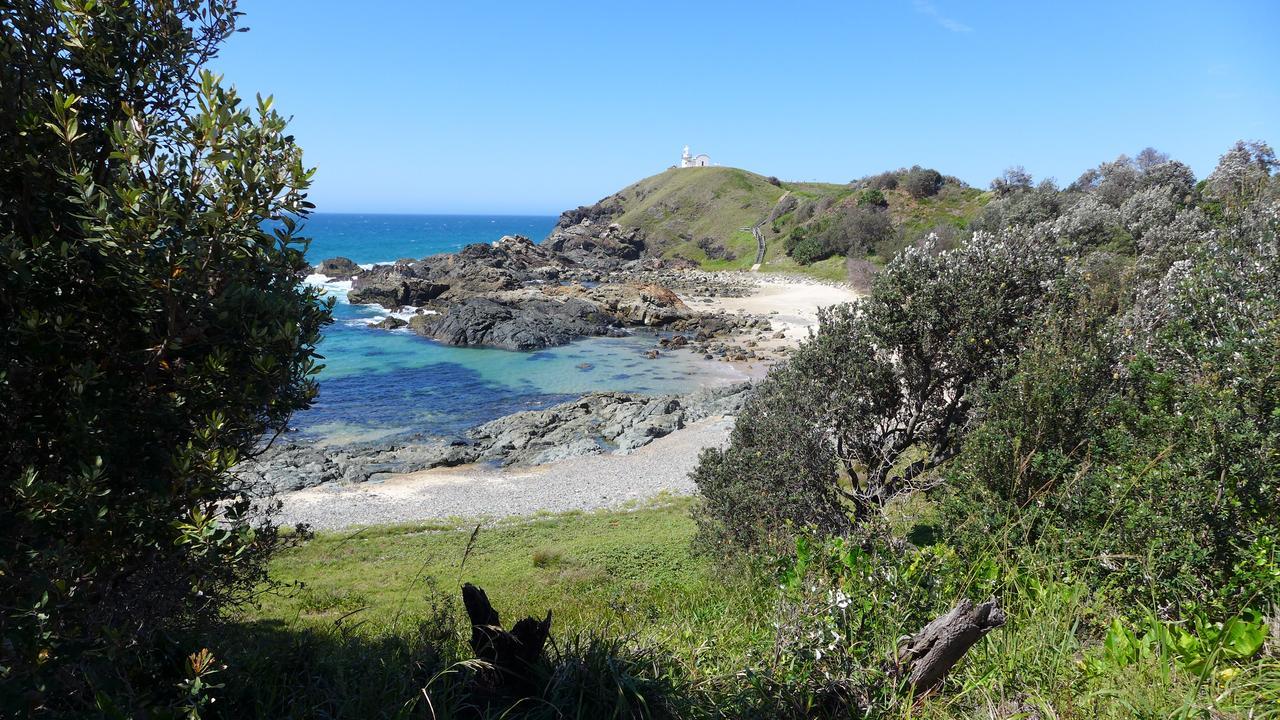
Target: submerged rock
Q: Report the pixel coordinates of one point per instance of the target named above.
(390, 323)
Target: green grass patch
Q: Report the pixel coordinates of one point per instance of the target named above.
(638, 613)
(832, 269)
(612, 567)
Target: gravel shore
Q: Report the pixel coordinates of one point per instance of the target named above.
(481, 491)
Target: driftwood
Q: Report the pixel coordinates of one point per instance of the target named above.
(931, 653)
(512, 654)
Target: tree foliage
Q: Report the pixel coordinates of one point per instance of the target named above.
(153, 329)
(1243, 174)
(922, 182)
(883, 392)
(1092, 374)
(1143, 440)
(1013, 180)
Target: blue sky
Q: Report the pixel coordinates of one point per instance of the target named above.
(535, 107)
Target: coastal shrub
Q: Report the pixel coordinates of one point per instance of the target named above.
(852, 230)
(872, 198)
(1021, 209)
(881, 394)
(1013, 180)
(1176, 177)
(922, 182)
(808, 249)
(1243, 174)
(153, 329)
(1090, 223)
(793, 238)
(883, 181)
(1110, 183)
(778, 469)
(1140, 444)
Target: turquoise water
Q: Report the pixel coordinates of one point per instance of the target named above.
(381, 384)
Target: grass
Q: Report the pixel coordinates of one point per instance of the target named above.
(832, 269)
(612, 567)
(643, 626)
(953, 206)
(680, 207)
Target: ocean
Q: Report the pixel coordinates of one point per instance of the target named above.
(380, 385)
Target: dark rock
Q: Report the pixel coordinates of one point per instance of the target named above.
(393, 286)
(338, 267)
(596, 245)
(390, 323)
(594, 424)
(526, 323)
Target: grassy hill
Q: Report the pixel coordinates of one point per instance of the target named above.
(681, 208)
(705, 215)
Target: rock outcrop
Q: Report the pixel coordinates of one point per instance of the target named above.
(338, 267)
(518, 295)
(596, 423)
(596, 244)
(521, 320)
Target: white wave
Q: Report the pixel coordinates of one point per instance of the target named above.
(331, 286)
(404, 313)
(409, 311)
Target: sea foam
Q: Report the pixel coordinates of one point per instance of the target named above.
(331, 286)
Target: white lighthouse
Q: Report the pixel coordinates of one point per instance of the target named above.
(688, 161)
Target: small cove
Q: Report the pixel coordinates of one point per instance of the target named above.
(379, 384)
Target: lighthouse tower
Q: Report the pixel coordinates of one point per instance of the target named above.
(688, 161)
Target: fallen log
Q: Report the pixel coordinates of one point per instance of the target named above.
(930, 654)
(512, 654)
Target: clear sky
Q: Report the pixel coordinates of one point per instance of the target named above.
(535, 107)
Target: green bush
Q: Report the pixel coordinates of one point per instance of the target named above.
(153, 328)
(872, 197)
(880, 395)
(809, 249)
(884, 181)
(922, 182)
(778, 470)
(1143, 445)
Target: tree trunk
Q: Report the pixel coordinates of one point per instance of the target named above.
(511, 653)
(931, 653)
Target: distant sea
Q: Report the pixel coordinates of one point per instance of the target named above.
(379, 384)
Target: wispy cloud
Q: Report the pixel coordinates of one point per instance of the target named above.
(928, 9)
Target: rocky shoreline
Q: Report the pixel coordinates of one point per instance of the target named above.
(597, 423)
(515, 294)
(587, 279)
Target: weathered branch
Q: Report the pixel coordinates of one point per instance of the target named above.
(931, 653)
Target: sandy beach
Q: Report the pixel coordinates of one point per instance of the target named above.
(790, 303)
(581, 483)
